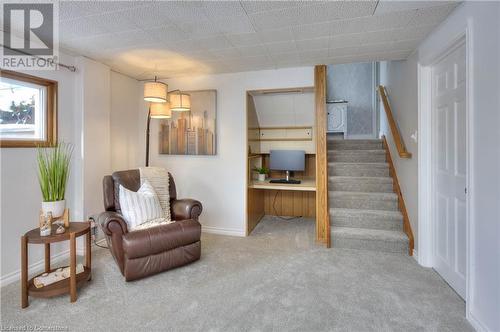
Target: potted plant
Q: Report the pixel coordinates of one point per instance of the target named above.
(53, 172)
(262, 171)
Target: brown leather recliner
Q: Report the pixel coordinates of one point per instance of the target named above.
(145, 252)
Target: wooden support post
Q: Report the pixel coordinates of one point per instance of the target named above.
(322, 216)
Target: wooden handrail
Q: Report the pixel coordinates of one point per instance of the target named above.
(400, 145)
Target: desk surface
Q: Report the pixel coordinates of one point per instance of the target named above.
(305, 185)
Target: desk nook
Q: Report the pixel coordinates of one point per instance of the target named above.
(281, 141)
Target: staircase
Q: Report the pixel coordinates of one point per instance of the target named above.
(364, 212)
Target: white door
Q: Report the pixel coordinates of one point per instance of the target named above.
(450, 167)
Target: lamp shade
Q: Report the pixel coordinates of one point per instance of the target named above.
(160, 111)
(155, 92)
(180, 102)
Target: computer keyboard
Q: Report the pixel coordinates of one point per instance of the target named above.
(285, 181)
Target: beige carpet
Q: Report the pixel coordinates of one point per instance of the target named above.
(274, 280)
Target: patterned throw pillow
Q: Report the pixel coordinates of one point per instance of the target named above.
(141, 206)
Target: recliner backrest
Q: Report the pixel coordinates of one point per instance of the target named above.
(130, 179)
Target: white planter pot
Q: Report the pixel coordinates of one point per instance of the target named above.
(56, 208)
(262, 177)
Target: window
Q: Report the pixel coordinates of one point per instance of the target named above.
(28, 110)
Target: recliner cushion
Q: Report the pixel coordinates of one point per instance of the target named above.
(154, 240)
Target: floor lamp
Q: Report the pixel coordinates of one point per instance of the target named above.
(159, 108)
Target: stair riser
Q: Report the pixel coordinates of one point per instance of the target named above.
(364, 203)
(354, 146)
(374, 245)
(385, 224)
(356, 170)
(356, 157)
(361, 187)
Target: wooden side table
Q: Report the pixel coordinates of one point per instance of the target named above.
(67, 285)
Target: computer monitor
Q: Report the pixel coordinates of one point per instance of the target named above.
(287, 160)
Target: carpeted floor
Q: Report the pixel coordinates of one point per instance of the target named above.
(274, 280)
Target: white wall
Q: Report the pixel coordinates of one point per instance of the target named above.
(20, 195)
(482, 19)
(282, 110)
(96, 110)
(83, 108)
(125, 96)
(400, 79)
(219, 181)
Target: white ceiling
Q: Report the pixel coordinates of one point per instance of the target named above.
(175, 38)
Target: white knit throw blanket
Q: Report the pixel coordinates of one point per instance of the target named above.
(158, 178)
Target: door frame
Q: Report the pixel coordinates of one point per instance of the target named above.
(426, 185)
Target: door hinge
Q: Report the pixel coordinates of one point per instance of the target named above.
(465, 189)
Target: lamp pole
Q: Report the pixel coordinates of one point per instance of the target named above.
(147, 136)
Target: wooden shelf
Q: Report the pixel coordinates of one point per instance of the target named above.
(305, 185)
(60, 287)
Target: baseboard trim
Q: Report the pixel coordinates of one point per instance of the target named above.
(38, 267)
(223, 231)
(415, 255)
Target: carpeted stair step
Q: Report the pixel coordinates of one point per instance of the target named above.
(358, 169)
(357, 156)
(360, 184)
(360, 200)
(370, 219)
(373, 144)
(369, 239)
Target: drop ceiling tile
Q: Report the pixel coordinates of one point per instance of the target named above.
(166, 34)
(320, 12)
(308, 31)
(147, 17)
(252, 50)
(431, 16)
(275, 35)
(351, 9)
(348, 40)
(231, 52)
(387, 6)
(375, 48)
(234, 25)
(410, 33)
(345, 51)
(383, 36)
(313, 44)
(199, 28)
(180, 12)
(243, 39)
(277, 18)
(81, 28)
(386, 21)
(313, 55)
(114, 22)
(265, 6)
(200, 44)
(91, 7)
(223, 9)
(281, 47)
(290, 56)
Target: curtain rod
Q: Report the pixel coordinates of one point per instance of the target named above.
(68, 67)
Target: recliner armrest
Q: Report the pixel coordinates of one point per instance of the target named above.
(112, 222)
(185, 209)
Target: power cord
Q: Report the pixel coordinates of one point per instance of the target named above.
(94, 229)
(276, 212)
